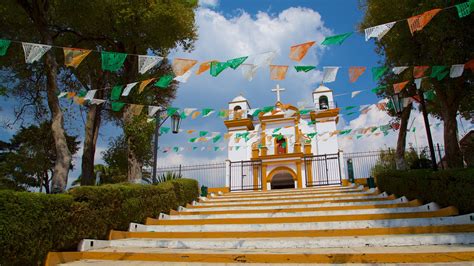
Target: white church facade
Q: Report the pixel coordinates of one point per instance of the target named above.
(282, 146)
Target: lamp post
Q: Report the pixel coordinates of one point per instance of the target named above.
(398, 106)
(175, 121)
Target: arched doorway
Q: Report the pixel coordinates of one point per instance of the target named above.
(282, 177)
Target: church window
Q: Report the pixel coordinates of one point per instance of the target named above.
(323, 102)
(281, 146)
(237, 112)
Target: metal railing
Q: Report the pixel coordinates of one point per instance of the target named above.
(209, 175)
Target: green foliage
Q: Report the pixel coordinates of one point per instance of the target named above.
(139, 134)
(168, 176)
(414, 160)
(32, 224)
(445, 187)
(31, 155)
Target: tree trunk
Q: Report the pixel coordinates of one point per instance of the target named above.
(37, 10)
(452, 150)
(92, 127)
(135, 164)
(402, 137)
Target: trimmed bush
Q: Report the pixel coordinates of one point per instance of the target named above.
(445, 187)
(32, 224)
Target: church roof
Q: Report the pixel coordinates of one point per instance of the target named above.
(239, 98)
(322, 88)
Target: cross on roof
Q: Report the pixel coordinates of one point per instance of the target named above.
(277, 89)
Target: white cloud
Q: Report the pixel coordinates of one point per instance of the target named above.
(208, 3)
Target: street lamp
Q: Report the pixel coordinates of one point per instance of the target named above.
(175, 121)
(398, 107)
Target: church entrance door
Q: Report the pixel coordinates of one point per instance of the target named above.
(282, 180)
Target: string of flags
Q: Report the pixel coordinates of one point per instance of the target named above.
(182, 68)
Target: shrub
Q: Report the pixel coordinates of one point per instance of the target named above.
(32, 224)
(446, 187)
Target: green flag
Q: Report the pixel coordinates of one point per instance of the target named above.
(413, 130)
(350, 107)
(115, 93)
(439, 72)
(194, 148)
(117, 106)
(237, 148)
(164, 81)
(82, 93)
(112, 61)
(442, 75)
(222, 114)
(260, 146)
(311, 123)
(203, 133)
(283, 145)
(164, 130)
(304, 68)
(236, 62)
(373, 129)
(206, 111)
(183, 115)
(385, 133)
(216, 148)
(351, 113)
(268, 109)
(258, 111)
(429, 95)
(336, 39)
(377, 72)
(378, 89)
(359, 136)
(276, 129)
(175, 149)
(465, 9)
(216, 138)
(304, 111)
(312, 135)
(217, 68)
(277, 136)
(4, 44)
(192, 140)
(171, 110)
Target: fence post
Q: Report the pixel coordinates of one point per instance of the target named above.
(227, 174)
(179, 170)
(440, 158)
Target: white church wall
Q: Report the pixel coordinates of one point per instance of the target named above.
(326, 144)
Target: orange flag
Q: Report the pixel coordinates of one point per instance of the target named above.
(143, 84)
(470, 65)
(297, 52)
(190, 131)
(71, 94)
(398, 87)
(181, 66)
(204, 67)
(355, 72)
(195, 114)
(417, 23)
(278, 72)
(419, 71)
(73, 56)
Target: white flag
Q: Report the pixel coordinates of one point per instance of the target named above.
(264, 59)
(248, 71)
(152, 110)
(289, 113)
(33, 51)
(189, 111)
(147, 62)
(62, 94)
(128, 88)
(399, 70)
(418, 83)
(456, 71)
(184, 78)
(330, 74)
(355, 93)
(406, 101)
(90, 95)
(362, 107)
(378, 31)
(148, 120)
(97, 101)
(203, 148)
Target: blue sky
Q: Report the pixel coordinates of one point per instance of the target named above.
(229, 29)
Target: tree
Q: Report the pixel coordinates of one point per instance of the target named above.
(31, 156)
(445, 41)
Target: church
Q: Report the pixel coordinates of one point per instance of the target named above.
(286, 147)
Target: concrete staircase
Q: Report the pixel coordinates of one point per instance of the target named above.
(312, 225)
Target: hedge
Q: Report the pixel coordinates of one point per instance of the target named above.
(32, 224)
(445, 187)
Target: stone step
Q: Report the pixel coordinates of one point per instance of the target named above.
(301, 208)
(382, 196)
(290, 197)
(448, 211)
(421, 254)
(426, 207)
(389, 200)
(271, 193)
(287, 242)
(292, 190)
(312, 225)
(306, 233)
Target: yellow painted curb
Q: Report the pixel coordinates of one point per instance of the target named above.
(289, 234)
(413, 203)
(449, 211)
(55, 258)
